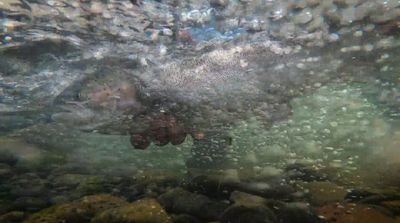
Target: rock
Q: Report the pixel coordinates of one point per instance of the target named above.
(59, 199)
(29, 203)
(92, 185)
(12, 217)
(151, 190)
(5, 205)
(247, 206)
(13, 151)
(68, 180)
(153, 182)
(210, 186)
(393, 206)
(77, 211)
(354, 213)
(304, 173)
(185, 218)
(356, 195)
(323, 192)
(270, 171)
(83, 184)
(277, 190)
(253, 24)
(5, 172)
(248, 200)
(303, 17)
(179, 201)
(29, 185)
(8, 158)
(240, 213)
(130, 192)
(219, 3)
(296, 212)
(159, 177)
(367, 197)
(147, 210)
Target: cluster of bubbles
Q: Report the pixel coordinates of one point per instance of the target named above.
(336, 127)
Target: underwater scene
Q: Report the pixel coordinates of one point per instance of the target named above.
(199, 111)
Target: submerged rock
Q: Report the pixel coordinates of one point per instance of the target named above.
(8, 158)
(77, 211)
(5, 172)
(296, 212)
(211, 184)
(219, 3)
(245, 199)
(183, 202)
(276, 190)
(247, 206)
(185, 218)
(240, 213)
(16, 151)
(12, 217)
(30, 203)
(142, 211)
(79, 184)
(357, 195)
(28, 185)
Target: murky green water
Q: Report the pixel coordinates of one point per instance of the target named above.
(199, 111)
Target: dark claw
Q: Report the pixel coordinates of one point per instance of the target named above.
(176, 132)
(140, 141)
(158, 131)
(198, 135)
(160, 136)
(178, 138)
(161, 131)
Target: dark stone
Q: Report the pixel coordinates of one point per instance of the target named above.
(5, 172)
(185, 218)
(28, 185)
(59, 199)
(35, 190)
(131, 193)
(5, 192)
(245, 199)
(273, 190)
(12, 217)
(181, 201)
(8, 158)
(295, 212)
(304, 173)
(211, 187)
(219, 3)
(136, 2)
(29, 204)
(356, 195)
(240, 213)
(5, 205)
